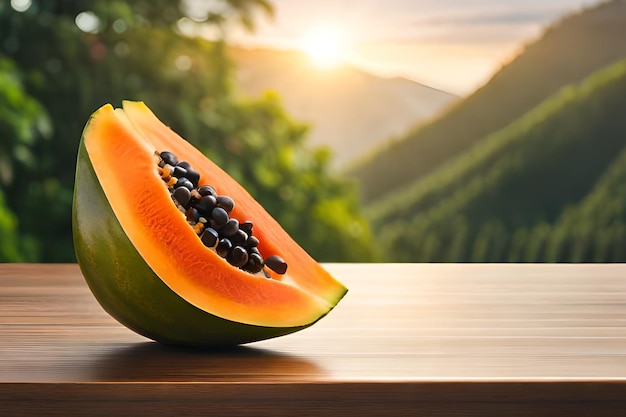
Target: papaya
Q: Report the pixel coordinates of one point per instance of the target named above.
(149, 266)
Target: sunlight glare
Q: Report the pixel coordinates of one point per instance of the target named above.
(21, 5)
(325, 46)
(87, 22)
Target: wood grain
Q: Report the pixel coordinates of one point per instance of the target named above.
(441, 339)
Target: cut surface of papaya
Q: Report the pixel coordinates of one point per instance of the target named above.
(148, 267)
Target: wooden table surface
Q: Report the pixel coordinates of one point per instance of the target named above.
(408, 339)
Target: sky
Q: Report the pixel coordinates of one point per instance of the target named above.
(453, 45)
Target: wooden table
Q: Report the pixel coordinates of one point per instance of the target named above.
(408, 339)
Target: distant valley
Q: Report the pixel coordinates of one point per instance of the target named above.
(349, 110)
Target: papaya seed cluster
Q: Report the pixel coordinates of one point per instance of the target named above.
(209, 214)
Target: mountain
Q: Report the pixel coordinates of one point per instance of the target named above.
(349, 110)
(548, 187)
(569, 51)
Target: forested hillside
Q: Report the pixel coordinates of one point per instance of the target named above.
(548, 187)
(592, 231)
(569, 51)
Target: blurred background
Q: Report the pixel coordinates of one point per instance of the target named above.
(396, 131)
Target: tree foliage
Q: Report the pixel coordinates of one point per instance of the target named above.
(23, 126)
(76, 56)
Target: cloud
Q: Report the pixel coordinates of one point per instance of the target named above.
(497, 18)
(474, 26)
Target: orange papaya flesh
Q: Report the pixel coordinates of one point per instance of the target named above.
(304, 271)
(146, 265)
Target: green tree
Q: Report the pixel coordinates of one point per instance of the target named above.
(9, 246)
(76, 56)
(23, 124)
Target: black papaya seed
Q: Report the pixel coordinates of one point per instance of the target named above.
(237, 256)
(207, 190)
(209, 237)
(226, 203)
(254, 264)
(184, 164)
(223, 247)
(246, 227)
(252, 242)
(169, 158)
(184, 182)
(179, 172)
(183, 196)
(239, 238)
(193, 176)
(219, 216)
(230, 228)
(206, 204)
(276, 264)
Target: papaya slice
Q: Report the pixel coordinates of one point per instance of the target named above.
(149, 269)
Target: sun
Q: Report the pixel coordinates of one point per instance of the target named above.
(326, 46)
